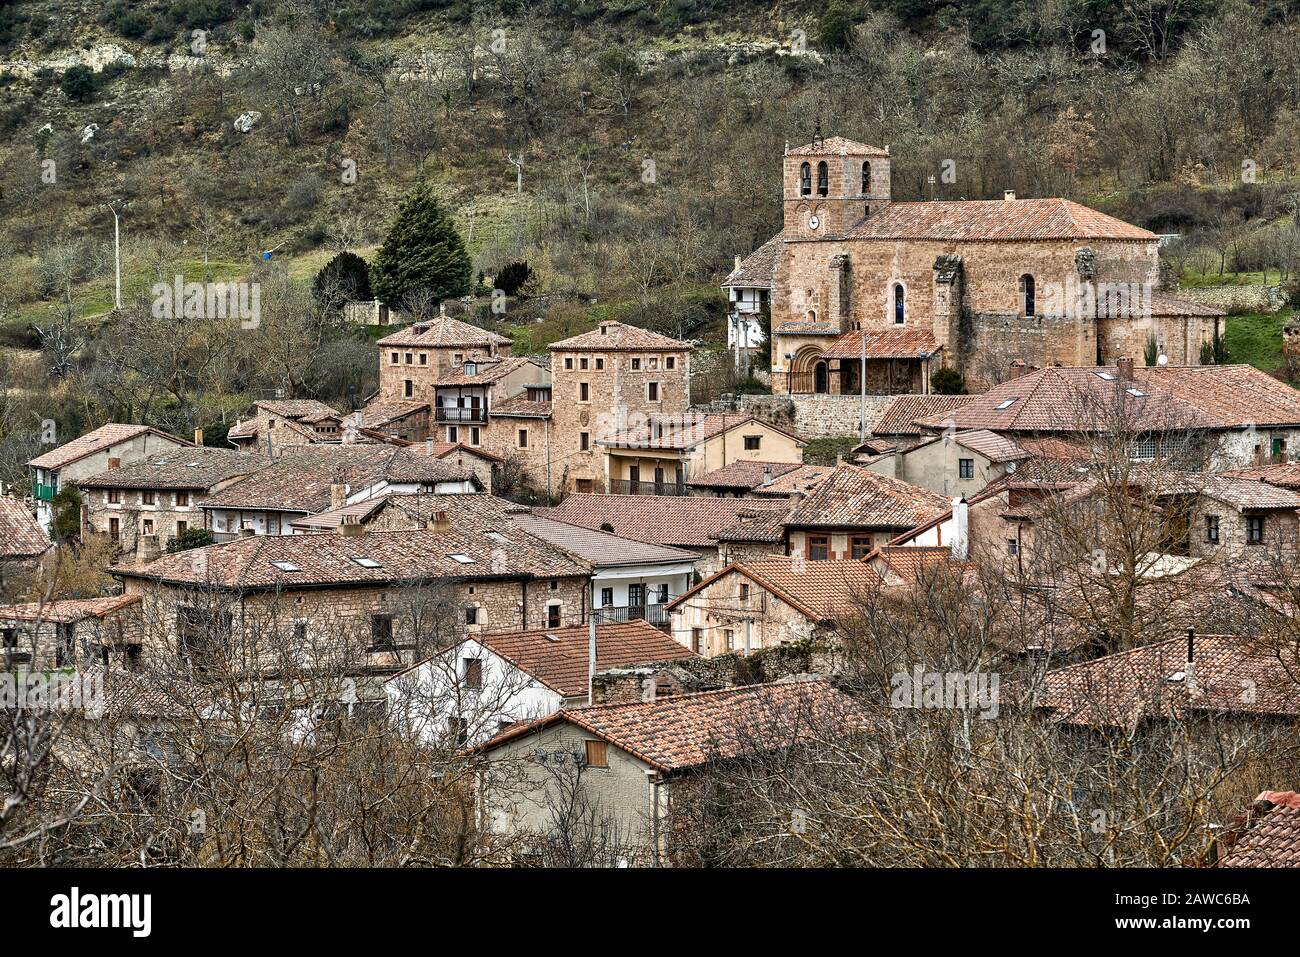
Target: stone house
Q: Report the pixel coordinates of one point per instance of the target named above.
(107, 447)
(70, 633)
(413, 360)
(22, 541)
(749, 290)
(490, 680)
(976, 285)
(770, 601)
(955, 463)
(662, 453)
(465, 397)
(403, 419)
(147, 504)
(519, 431)
(633, 763)
(606, 381)
(896, 426)
(852, 510)
(278, 424)
(366, 602)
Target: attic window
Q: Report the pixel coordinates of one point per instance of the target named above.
(1108, 376)
(1138, 393)
(286, 566)
(498, 537)
(461, 557)
(366, 562)
(1008, 403)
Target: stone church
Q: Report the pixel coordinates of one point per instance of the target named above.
(861, 285)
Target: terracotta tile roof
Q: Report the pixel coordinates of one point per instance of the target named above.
(821, 591)
(1246, 494)
(442, 450)
(385, 411)
(686, 731)
(837, 146)
(444, 332)
(884, 344)
(757, 269)
(743, 474)
(1268, 835)
(685, 430)
(618, 336)
(487, 372)
(404, 557)
(199, 468)
(1070, 399)
(807, 328)
(520, 406)
(67, 610)
(683, 521)
(996, 448)
(1163, 304)
(473, 511)
(104, 437)
(898, 417)
(1123, 689)
(558, 657)
(854, 497)
(302, 410)
(994, 221)
(1283, 475)
(600, 548)
(20, 536)
(803, 479)
(755, 525)
(300, 480)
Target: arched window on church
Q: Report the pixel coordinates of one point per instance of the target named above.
(1027, 302)
(866, 178)
(823, 179)
(805, 180)
(900, 303)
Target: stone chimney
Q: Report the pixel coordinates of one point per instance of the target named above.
(737, 264)
(147, 550)
(1009, 195)
(1125, 367)
(960, 529)
(351, 526)
(338, 495)
(1190, 668)
(438, 522)
(1018, 368)
(198, 436)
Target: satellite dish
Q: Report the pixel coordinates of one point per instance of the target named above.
(1163, 360)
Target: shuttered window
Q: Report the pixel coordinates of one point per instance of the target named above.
(597, 754)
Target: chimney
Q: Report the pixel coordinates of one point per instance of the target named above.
(351, 525)
(428, 448)
(438, 522)
(148, 549)
(960, 529)
(737, 264)
(1018, 368)
(338, 495)
(767, 476)
(1009, 195)
(1125, 367)
(198, 436)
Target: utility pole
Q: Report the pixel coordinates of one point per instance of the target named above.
(117, 249)
(518, 163)
(591, 649)
(862, 375)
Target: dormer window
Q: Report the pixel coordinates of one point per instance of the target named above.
(823, 179)
(805, 180)
(471, 368)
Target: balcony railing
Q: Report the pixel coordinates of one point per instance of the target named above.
(43, 493)
(473, 414)
(628, 487)
(615, 614)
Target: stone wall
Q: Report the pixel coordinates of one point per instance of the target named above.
(1238, 298)
(809, 416)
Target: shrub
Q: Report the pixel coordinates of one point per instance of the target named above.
(78, 83)
(948, 381)
(190, 538)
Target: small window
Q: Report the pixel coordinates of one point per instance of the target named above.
(114, 496)
(1212, 529)
(146, 498)
(522, 439)
(552, 616)
(424, 358)
(582, 364)
(966, 468)
(729, 638)
(182, 528)
(182, 499)
(408, 388)
(652, 391)
(636, 363)
(597, 754)
(654, 362)
(866, 178)
(819, 547)
(584, 485)
(670, 362)
(1013, 546)
(409, 358)
(148, 526)
(381, 632)
(859, 546)
(663, 594)
(900, 304)
(1027, 299)
(568, 362)
(584, 440)
(453, 433)
(697, 640)
(606, 597)
(1254, 529)
(744, 591)
(366, 562)
(300, 631)
(752, 442)
(474, 435)
(584, 392)
(461, 558)
(393, 358)
(471, 614)
(473, 673)
(555, 585)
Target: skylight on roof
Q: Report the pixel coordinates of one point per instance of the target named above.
(366, 562)
(461, 557)
(1008, 403)
(286, 566)
(1108, 376)
(498, 537)
(1135, 392)
(552, 637)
